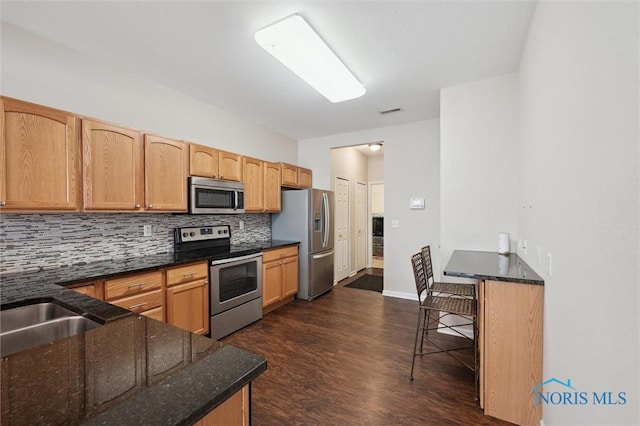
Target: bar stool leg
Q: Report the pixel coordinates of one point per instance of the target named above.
(419, 331)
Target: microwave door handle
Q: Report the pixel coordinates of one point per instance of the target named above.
(235, 203)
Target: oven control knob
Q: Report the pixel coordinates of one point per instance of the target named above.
(219, 231)
(185, 234)
(193, 234)
(226, 231)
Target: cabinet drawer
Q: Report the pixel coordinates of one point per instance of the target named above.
(186, 273)
(155, 313)
(270, 255)
(132, 284)
(141, 302)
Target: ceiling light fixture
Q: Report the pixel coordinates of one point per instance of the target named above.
(375, 146)
(294, 43)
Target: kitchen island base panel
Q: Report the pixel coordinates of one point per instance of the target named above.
(512, 350)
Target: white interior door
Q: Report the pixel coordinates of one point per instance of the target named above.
(361, 226)
(342, 228)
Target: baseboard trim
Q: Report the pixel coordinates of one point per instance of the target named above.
(399, 295)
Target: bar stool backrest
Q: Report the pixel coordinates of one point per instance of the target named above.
(426, 258)
(419, 274)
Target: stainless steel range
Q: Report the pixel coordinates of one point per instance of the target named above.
(235, 275)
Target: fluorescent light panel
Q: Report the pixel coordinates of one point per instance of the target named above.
(294, 43)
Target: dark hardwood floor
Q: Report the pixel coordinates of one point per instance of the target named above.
(344, 359)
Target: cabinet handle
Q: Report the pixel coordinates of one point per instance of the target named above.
(190, 274)
(150, 206)
(140, 284)
(3, 203)
(137, 305)
(221, 176)
(137, 206)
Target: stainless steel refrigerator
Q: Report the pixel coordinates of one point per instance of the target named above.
(307, 216)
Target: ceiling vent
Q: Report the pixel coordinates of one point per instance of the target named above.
(390, 111)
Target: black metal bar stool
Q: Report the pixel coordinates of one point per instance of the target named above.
(451, 305)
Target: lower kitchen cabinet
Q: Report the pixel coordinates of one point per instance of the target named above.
(188, 297)
(138, 293)
(91, 289)
(233, 412)
(279, 277)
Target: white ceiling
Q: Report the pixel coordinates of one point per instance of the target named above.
(402, 52)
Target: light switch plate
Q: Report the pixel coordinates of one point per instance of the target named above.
(395, 223)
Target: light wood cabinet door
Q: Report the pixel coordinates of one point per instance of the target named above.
(203, 161)
(272, 198)
(188, 306)
(39, 158)
(304, 177)
(165, 165)
(112, 171)
(271, 283)
(289, 175)
(253, 178)
(229, 166)
(289, 276)
(232, 412)
(512, 350)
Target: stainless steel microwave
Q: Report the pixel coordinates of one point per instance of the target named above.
(211, 196)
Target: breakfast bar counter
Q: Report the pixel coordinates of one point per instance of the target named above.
(510, 310)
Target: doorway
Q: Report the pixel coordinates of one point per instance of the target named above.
(342, 253)
(377, 224)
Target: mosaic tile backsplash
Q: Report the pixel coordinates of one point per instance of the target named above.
(41, 241)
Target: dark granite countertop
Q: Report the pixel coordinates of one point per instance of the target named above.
(132, 370)
(485, 265)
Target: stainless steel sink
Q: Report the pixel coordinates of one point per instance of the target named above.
(28, 326)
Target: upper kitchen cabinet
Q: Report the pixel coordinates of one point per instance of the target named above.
(289, 175)
(165, 167)
(253, 184)
(203, 161)
(304, 177)
(210, 162)
(113, 178)
(261, 185)
(39, 158)
(295, 177)
(229, 166)
(272, 199)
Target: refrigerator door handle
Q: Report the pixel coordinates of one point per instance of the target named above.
(323, 255)
(325, 219)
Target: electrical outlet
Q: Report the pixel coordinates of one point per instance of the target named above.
(241, 224)
(395, 223)
(146, 230)
(539, 256)
(524, 246)
(549, 270)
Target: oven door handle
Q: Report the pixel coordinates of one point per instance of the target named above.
(235, 259)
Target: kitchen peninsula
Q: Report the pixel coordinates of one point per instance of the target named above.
(510, 308)
(130, 370)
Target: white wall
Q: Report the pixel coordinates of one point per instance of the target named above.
(411, 169)
(38, 70)
(376, 168)
(579, 180)
(478, 159)
(349, 163)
